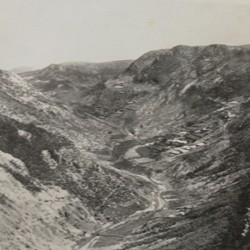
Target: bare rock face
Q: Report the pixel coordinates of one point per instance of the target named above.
(155, 158)
(145, 61)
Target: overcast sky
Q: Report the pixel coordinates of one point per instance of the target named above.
(40, 32)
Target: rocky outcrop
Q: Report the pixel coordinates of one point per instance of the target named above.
(145, 61)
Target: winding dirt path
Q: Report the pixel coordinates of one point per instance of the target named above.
(157, 203)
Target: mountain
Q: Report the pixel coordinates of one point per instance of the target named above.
(20, 70)
(67, 81)
(188, 111)
(155, 157)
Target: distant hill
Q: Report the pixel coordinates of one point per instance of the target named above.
(21, 69)
(67, 81)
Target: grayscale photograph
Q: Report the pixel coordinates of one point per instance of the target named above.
(124, 124)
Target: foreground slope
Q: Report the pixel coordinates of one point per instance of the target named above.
(54, 189)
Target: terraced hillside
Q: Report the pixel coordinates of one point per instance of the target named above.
(188, 124)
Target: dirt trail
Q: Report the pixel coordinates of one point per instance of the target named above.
(160, 202)
(157, 203)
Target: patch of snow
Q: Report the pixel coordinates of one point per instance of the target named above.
(183, 133)
(12, 163)
(182, 150)
(189, 85)
(143, 160)
(131, 153)
(247, 224)
(197, 131)
(24, 134)
(230, 114)
(174, 152)
(172, 215)
(178, 141)
(47, 158)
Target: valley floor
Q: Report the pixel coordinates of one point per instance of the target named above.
(112, 236)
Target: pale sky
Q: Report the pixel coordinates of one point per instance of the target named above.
(40, 32)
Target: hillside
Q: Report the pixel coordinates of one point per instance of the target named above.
(155, 157)
(187, 110)
(53, 186)
(145, 60)
(67, 81)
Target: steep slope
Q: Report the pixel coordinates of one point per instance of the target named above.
(191, 135)
(198, 117)
(208, 206)
(186, 82)
(100, 99)
(54, 188)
